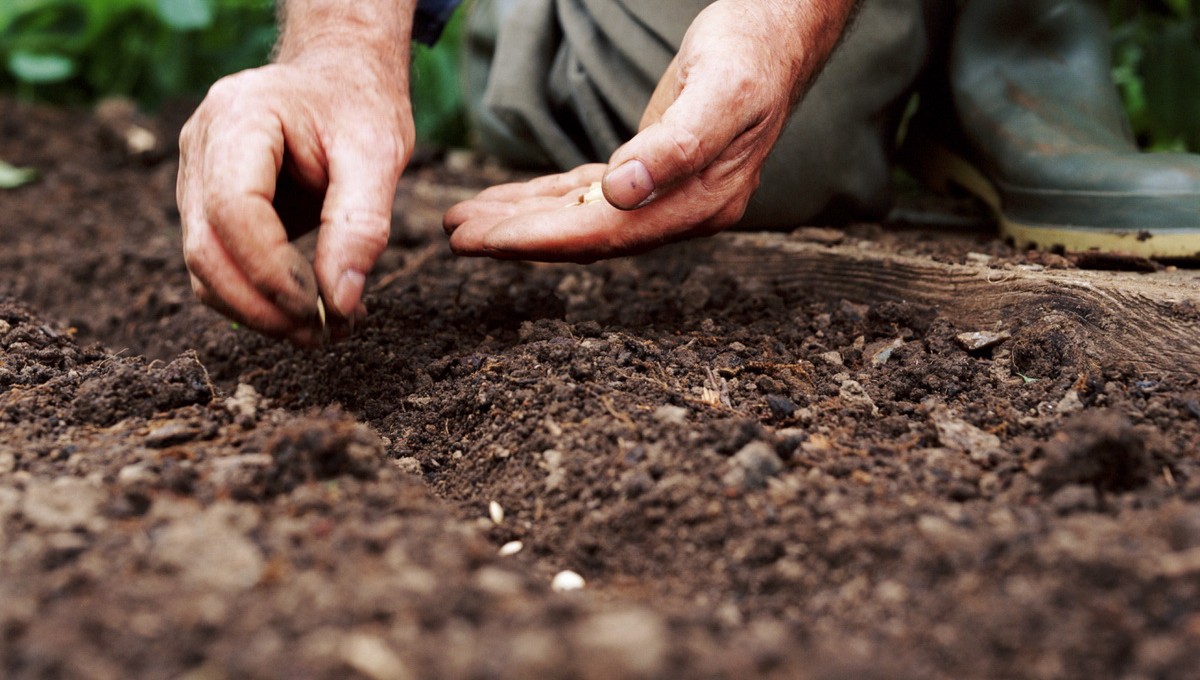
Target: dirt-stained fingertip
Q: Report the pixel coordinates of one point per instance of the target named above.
(300, 298)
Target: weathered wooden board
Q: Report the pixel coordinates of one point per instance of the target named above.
(1151, 321)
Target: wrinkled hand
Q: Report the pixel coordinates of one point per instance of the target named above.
(696, 161)
(271, 153)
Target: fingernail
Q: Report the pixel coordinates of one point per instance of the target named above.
(349, 291)
(629, 186)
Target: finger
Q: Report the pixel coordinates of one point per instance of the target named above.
(467, 235)
(598, 230)
(241, 165)
(552, 237)
(476, 210)
(356, 219)
(228, 291)
(662, 97)
(219, 284)
(702, 121)
(557, 184)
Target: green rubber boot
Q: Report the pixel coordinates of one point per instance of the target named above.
(1038, 132)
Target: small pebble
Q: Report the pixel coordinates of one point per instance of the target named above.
(496, 512)
(510, 548)
(833, 358)
(977, 340)
(674, 415)
(567, 580)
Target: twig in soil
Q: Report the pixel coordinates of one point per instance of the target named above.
(716, 390)
(410, 267)
(678, 392)
(606, 401)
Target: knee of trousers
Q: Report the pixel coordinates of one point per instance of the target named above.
(832, 163)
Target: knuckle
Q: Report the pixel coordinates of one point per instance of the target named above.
(389, 144)
(369, 231)
(200, 290)
(229, 87)
(688, 147)
(727, 216)
(193, 259)
(187, 137)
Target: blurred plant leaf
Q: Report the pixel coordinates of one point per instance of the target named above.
(79, 51)
(186, 15)
(1171, 72)
(12, 177)
(1156, 66)
(439, 112)
(40, 68)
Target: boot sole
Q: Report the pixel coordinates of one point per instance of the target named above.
(948, 172)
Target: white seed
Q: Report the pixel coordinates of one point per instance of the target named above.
(510, 548)
(595, 193)
(496, 512)
(321, 311)
(139, 140)
(567, 580)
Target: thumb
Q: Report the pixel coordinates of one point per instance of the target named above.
(355, 223)
(690, 134)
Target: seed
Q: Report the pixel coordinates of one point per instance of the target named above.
(594, 194)
(566, 580)
(510, 548)
(321, 311)
(496, 512)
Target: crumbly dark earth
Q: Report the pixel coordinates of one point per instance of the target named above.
(753, 484)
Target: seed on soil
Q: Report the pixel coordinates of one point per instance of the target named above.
(371, 656)
(510, 548)
(321, 311)
(566, 580)
(496, 513)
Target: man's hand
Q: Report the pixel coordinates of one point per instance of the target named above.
(317, 139)
(695, 163)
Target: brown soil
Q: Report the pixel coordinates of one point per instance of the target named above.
(752, 484)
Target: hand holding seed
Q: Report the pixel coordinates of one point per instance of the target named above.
(695, 163)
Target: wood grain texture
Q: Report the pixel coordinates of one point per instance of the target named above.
(1151, 322)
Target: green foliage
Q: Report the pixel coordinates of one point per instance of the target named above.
(438, 108)
(1157, 68)
(75, 51)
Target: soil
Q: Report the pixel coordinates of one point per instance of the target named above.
(751, 482)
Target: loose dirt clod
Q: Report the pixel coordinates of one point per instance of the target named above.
(1101, 449)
